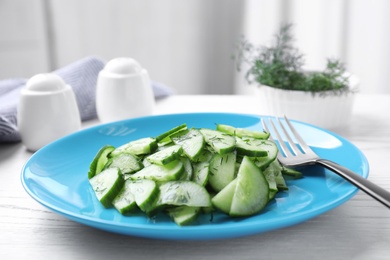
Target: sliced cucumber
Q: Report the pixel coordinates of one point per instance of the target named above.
(223, 199)
(222, 170)
(252, 190)
(241, 132)
(280, 181)
(183, 215)
(166, 155)
(222, 143)
(192, 142)
(145, 162)
(124, 201)
(145, 193)
(107, 185)
(292, 173)
(205, 155)
(201, 173)
(178, 193)
(170, 132)
(188, 170)
(272, 152)
(100, 160)
(250, 146)
(141, 146)
(269, 174)
(126, 162)
(160, 173)
(272, 194)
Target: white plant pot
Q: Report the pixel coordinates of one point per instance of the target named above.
(327, 111)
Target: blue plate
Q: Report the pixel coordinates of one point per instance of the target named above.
(56, 177)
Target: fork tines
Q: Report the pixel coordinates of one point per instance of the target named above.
(292, 149)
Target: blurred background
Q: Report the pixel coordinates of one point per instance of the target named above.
(188, 44)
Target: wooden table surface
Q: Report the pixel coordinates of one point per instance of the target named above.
(358, 229)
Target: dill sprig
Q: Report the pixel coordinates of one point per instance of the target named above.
(281, 66)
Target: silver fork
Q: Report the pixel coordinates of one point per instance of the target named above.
(304, 155)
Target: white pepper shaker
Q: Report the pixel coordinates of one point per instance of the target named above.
(123, 91)
(47, 110)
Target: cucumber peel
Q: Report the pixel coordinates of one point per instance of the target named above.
(250, 146)
(160, 173)
(188, 193)
(184, 215)
(137, 147)
(222, 170)
(100, 160)
(166, 155)
(251, 193)
(107, 185)
(192, 142)
(223, 199)
(221, 142)
(126, 162)
(241, 132)
(170, 132)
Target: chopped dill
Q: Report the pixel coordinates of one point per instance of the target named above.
(281, 66)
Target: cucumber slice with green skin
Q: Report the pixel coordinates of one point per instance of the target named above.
(145, 162)
(145, 193)
(201, 173)
(272, 152)
(100, 160)
(126, 162)
(141, 146)
(183, 215)
(251, 194)
(159, 148)
(269, 174)
(221, 142)
(292, 173)
(241, 132)
(160, 173)
(124, 202)
(223, 199)
(280, 181)
(250, 146)
(272, 194)
(188, 170)
(274, 176)
(205, 155)
(222, 170)
(166, 155)
(107, 185)
(192, 142)
(170, 132)
(142, 193)
(188, 193)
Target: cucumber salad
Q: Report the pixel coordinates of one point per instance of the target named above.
(185, 172)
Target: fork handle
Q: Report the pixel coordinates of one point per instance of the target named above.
(365, 185)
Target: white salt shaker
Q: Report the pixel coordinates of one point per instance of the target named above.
(123, 91)
(47, 110)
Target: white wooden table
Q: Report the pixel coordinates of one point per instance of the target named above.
(358, 229)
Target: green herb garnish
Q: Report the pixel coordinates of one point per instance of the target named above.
(281, 66)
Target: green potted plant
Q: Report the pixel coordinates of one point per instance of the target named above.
(324, 98)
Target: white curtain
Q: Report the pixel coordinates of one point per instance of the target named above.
(356, 32)
(188, 44)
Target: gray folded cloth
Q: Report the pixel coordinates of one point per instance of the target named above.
(80, 75)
